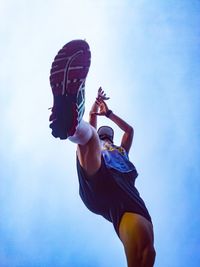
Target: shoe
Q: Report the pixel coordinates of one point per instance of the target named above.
(67, 79)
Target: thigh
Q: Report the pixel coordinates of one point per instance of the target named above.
(89, 155)
(136, 234)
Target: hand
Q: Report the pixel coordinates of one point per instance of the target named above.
(101, 95)
(103, 108)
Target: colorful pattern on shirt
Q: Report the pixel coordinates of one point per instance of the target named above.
(116, 157)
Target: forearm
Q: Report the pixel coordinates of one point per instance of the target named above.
(93, 116)
(124, 126)
(127, 137)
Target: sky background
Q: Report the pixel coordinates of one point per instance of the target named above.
(146, 55)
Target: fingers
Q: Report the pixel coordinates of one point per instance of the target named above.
(102, 94)
(100, 102)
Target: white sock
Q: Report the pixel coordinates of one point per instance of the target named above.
(82, 134)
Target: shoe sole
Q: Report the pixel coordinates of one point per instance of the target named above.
(67, 75)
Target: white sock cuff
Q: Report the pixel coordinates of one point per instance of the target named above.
(82, 134)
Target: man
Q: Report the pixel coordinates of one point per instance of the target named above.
(106, 176)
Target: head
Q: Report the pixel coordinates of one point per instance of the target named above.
(106, 133)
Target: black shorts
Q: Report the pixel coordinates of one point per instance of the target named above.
(111, 193)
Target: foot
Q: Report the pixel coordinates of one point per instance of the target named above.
(67, 78)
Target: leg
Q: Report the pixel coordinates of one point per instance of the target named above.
(67, 78)
(136, 234)
(88, 149)
(89, 154)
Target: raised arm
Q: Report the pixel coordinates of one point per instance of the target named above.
(127, 137)
(101, 95)
(92, 115)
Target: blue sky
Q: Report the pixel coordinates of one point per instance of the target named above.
(146, 56)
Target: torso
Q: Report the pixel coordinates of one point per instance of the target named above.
(116, 157)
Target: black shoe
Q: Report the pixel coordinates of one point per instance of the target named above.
(67, 78)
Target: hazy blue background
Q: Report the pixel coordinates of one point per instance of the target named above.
(146, 55)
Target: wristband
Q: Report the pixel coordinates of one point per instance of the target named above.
(108, 113)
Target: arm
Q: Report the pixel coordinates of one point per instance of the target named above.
(127, 137)
(93, 116)
(95, 107)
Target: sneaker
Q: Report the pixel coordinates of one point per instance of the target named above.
(67, 78)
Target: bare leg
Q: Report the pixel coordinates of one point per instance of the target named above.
(136, 234)
(89, 149)
(89, 154)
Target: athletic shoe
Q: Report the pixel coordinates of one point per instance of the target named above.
(67, 78)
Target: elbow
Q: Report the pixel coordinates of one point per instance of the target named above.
(130, 130)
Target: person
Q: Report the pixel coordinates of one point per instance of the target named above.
(106, 175)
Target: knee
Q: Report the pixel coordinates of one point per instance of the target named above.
(148, 256)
